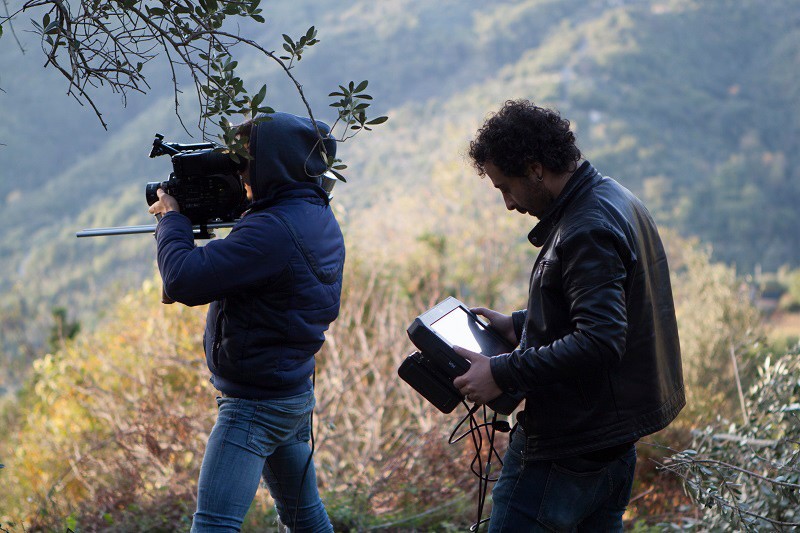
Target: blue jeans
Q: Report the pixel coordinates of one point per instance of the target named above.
(571, 494)
(253, 439)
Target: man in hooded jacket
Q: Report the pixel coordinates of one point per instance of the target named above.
(274, 285)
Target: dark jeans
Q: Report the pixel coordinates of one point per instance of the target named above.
(571, 494)
(250, 440)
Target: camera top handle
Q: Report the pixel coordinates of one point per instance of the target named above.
(162, 148)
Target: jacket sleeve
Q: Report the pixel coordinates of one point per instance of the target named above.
(257, 249)
(593, 279)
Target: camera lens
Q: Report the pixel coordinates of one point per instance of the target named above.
(150, 193)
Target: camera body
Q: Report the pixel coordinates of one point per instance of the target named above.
(205, 182)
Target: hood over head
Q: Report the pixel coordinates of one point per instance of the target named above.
(286, 150)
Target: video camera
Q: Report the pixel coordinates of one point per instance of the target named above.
(205, 181)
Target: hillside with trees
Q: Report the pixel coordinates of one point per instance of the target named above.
(694, 117)
(690, 104)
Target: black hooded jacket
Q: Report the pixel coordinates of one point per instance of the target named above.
(274, 283)
(599, 359)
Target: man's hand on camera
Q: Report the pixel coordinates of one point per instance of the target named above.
(164, 205)
(502, 324)
(477, 383)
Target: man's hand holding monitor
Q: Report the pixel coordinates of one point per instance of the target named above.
(453, 361)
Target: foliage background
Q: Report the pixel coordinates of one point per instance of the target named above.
(691, 104)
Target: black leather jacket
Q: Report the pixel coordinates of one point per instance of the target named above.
(599, 358)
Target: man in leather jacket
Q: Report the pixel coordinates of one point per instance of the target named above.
(598, 357)
(274, 285)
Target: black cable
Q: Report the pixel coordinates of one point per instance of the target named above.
(483, 484)
(477, 441)
(310, 455)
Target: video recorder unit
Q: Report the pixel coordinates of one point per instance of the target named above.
(431, 370)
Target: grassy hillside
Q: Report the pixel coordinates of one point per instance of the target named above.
(691, 104)
(688, 103)
(109, 432)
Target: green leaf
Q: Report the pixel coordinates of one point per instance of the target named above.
(258, 18)
(341, 178)
(379, 120)
(361, 86)
(288, 40)
(310, 33)
(288, 48)
(258, 98)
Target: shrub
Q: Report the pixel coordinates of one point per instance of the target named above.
(748, 476)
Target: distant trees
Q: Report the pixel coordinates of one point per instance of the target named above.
(63, 329)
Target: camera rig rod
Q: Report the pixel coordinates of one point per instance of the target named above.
(201, 231)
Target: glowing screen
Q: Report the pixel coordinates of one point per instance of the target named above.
(460, 329)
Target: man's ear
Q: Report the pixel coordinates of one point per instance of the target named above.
(535, 171)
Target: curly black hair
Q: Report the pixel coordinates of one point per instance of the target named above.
(520, 134)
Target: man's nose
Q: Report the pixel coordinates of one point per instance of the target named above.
(510, 205)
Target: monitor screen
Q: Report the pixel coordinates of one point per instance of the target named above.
(460, 329)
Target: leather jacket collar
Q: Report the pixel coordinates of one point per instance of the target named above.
(541, 231)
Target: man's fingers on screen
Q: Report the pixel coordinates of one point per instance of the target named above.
(463, 352)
